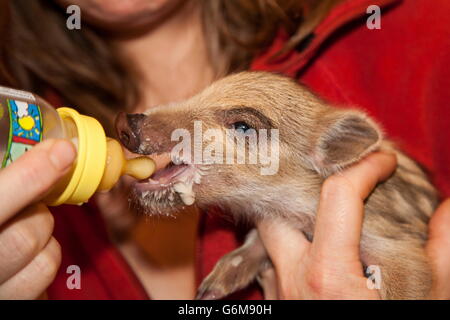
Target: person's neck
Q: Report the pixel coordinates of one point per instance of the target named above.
(171, 60)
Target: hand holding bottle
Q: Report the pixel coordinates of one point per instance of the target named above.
(29, 255)
(27, 119)
(38, 166)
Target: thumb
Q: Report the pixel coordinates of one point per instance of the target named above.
(29, 177)
(438, 249)
(285, 245)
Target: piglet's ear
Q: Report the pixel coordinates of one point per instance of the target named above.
(343, 137)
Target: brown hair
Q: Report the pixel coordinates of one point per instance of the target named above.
(38, 52)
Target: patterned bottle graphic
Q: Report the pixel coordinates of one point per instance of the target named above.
(25, 128)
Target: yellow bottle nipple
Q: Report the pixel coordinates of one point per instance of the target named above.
(99, 164)
(117, 165)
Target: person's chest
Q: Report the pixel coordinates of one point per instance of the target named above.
(162, 253)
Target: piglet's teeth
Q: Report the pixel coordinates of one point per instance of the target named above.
(187, 199)
(181, 187)
(197, 177)
(175, 159)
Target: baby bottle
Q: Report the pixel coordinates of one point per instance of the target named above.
(26, 119)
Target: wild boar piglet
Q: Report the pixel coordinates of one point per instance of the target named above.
(260, 146)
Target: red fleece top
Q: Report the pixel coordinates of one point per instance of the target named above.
(399, 75)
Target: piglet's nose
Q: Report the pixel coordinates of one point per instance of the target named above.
(128, 127)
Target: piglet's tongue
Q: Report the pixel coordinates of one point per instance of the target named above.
(167, 174)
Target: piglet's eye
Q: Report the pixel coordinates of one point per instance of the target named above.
(241, 126)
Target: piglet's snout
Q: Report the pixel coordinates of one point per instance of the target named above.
(128, 127)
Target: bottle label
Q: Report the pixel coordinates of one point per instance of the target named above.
(25, 129)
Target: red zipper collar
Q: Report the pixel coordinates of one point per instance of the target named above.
(292, 62)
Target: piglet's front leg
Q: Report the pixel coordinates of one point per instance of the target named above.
(236, 270)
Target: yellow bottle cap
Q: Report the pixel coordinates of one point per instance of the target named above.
(90, 162)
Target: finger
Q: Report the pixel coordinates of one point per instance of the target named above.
(268, 281)
(439, 226)
(35, 278)
(285, 245)
(438, 249)
(370, 171)
(22, 238)
(33, 174)
(341, 208)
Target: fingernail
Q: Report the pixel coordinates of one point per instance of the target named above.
(62, 154)
(207, 295)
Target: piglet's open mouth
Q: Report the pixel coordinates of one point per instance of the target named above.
(173, 180)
